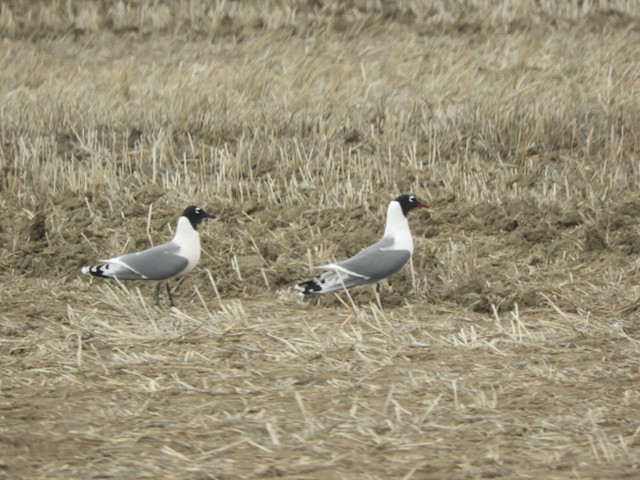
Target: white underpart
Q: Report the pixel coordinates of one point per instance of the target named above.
(189, 241)
(397, 227)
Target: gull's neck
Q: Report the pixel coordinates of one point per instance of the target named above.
(188, 242)
(185, 233)
(397, 227)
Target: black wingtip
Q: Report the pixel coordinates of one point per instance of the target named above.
(309, 287)
(97, 271)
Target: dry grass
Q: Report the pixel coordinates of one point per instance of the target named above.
(508, 349)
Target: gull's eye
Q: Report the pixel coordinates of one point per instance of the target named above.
(412, 199)
(198, 211)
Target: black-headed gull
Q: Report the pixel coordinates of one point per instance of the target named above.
(378, 261)
(163, 262)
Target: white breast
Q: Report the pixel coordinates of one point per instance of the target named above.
(188, 240)
(397, 227)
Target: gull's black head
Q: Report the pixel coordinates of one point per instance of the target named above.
(195, 215)
(409, 202)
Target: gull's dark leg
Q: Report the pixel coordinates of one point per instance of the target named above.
(170, 296)
(376, 289)
(158, 294)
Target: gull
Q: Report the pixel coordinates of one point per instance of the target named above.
(385, 257)
(160, 263)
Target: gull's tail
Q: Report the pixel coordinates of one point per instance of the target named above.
(333, 280)
(310, 286)
(97, 271)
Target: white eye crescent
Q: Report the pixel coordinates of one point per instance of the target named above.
(198, 211)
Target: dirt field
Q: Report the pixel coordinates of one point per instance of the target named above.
(509, 348)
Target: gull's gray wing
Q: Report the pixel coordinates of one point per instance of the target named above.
(373, 263)
(156, 263)
(370, 265)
